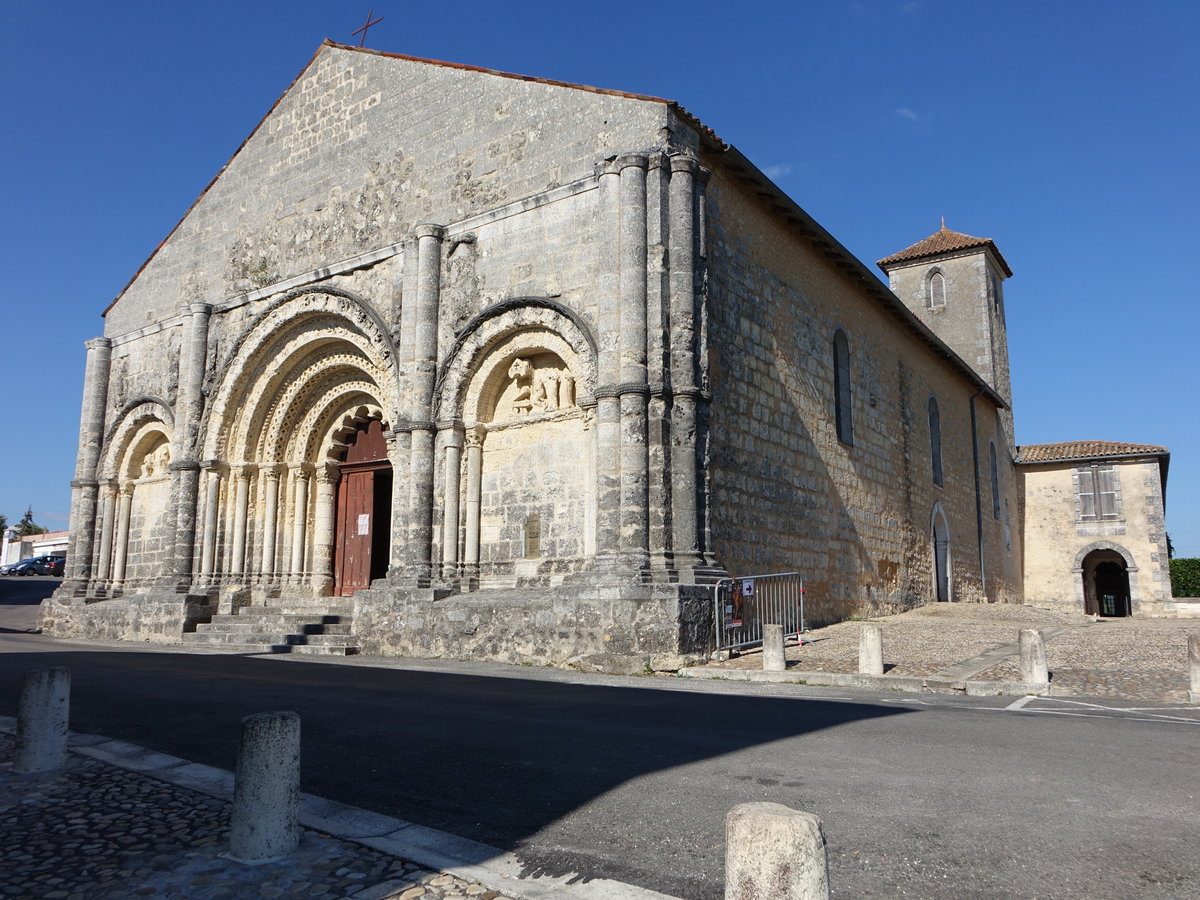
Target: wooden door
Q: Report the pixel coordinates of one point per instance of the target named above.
(356, 514)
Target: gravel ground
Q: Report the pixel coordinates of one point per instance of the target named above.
(92, 830)
(1136, 659)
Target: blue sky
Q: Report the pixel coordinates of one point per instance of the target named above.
(1067, 132)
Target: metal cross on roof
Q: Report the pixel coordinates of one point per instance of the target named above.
(363, 30)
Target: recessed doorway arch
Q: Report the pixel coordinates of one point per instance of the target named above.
(1106, 591)
(940, 541)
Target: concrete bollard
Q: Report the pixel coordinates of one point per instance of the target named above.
(266, 792)
(1194, 666)
(42, 716)
(776, 852)
(1033, 657)
(773, 659)
(870, 650)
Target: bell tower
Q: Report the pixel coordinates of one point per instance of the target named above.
(954, 283)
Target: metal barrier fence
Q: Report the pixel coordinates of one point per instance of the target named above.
(744, 605)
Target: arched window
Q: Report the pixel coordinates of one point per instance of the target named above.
(935, 441)
(937, 290)
(995, 480)
(841, 388)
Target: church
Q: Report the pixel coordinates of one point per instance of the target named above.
(452, 362)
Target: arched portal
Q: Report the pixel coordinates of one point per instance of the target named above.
(364, 510)
(303, 404)
(940, 539)
(1105, 584)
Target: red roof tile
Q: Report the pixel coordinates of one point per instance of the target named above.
(942, 241)
(1072, 450)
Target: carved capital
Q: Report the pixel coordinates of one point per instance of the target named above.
(682, 163)
(429, 230)
(474, 436)
(98, 343)
(85, 483)
(634, 160)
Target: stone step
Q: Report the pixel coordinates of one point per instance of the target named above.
(286, 622)
(344, 646)
(307, 608)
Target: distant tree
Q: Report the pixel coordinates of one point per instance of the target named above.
(3, 522)
(27, 526)
(1170, 548)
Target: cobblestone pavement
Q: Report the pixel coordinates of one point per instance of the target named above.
(92, 830)
(1130, 659)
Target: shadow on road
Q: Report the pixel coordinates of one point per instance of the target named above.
(496, 759)
(20, 596)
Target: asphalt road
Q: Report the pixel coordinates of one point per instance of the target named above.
(630, 778)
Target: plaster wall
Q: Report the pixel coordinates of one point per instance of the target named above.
(1056, 539)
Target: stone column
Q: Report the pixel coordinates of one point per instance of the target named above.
(190, 406)
(212, 513)
(121, 542)
(452, 439)
(270, 520)
(682, 261)
(324, 529)
(1193, 668)
(108, 507)
(608, 405)
(399, 445)
(300, 475)
(425, 350)
(84, 487)
(634, 388)
(474, 439)
(241, 509)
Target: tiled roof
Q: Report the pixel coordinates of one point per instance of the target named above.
(1071, 450)
(942, 241)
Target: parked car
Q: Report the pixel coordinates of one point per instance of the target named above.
(25, 566)
(53, 565)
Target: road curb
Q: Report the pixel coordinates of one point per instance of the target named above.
(930, 684)
(494, 868)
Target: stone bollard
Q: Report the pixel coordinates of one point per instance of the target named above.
(870, 650)
(1194, 666)
(266, 792)
(772, 654)
(776, 852)
(42, 721)
(1033, 657)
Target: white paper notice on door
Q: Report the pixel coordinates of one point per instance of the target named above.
(364, 523)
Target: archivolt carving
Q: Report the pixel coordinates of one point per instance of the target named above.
(129, 426)
(497, 337)
(301, 331)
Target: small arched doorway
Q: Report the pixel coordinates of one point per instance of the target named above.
(940, 536)
(1105, 584)
(364, 510)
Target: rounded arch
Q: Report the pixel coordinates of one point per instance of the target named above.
(545, 321)
(1104, 545)
(146, 413)
(307, 341)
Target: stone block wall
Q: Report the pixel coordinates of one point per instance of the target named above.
(786, 493)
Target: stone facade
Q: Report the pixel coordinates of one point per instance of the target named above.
(523, 368)
(1090, 506)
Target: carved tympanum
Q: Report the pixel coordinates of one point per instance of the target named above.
(540, 390)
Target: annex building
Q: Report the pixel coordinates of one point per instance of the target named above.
(472, 364)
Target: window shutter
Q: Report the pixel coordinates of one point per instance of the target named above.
(1108, 487)
(1087, 494)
